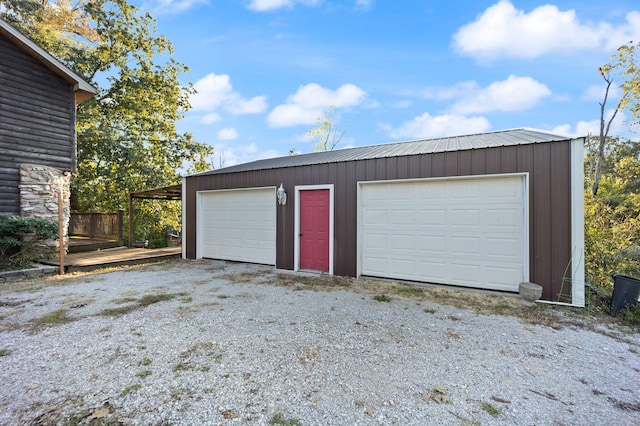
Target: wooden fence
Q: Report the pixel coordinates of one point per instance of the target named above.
(102, 226)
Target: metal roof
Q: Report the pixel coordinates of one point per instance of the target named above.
(173, 192)
(522, 136)
(83, 89)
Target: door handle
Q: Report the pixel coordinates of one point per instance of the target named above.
(300, 235)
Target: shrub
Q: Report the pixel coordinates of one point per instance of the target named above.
(611, 233)
(21, 239)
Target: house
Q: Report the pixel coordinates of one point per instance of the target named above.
(483, 211)
(38, 98)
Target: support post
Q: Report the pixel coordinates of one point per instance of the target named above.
(61, 232)
(130, 221)
(120, 215)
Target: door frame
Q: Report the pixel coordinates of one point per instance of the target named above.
(524, 176)
(296, 238)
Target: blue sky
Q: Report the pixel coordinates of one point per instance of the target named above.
(395, 70)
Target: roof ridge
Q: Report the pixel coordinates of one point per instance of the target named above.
(508, 137)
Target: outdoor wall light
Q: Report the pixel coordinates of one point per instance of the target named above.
(281, 196)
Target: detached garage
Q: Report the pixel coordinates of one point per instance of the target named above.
(483, 211)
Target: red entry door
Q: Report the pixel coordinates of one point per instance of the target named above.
(314, 230)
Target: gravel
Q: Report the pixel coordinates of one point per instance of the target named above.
(229, 347)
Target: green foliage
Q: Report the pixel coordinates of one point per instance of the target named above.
(612, 218)
(626, 63)
(490, 409)
(631, 314)
(21, 239)
(381, 298)
(280, 419)
(127, 136)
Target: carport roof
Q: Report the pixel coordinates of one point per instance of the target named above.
(522, 136)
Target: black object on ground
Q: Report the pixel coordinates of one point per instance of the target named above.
(626, 291)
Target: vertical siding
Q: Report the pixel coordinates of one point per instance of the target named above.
(548, 165)
(37, 120)
(560, 220)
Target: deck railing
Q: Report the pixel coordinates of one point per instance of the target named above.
(103, 226)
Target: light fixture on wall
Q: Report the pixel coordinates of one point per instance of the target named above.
(281, 196)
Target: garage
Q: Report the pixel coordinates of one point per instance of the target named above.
(469, 232)
(237, 225)
(486, 211)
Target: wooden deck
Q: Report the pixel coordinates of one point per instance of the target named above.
(119, 256)
(80, 244)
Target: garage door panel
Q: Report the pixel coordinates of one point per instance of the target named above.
(463, 231)
(239, 225)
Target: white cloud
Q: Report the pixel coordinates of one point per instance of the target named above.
(216, 92)
(309, 102)
(592, 127)
(582, 128)
(458, 90)
(210, 118)
(504, 31)
(269, 5)
(596, 93)
(225, 156)
(166, 7)
(513, 94)
(427, 126)
(228, 134)
(364, 4)
(616, 37)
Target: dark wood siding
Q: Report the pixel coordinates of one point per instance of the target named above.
(548, 165)
(37, 120)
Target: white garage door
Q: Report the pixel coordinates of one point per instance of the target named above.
(469, 232)
(238, 225)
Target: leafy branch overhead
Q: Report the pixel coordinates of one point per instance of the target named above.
(127, 136)
(625, 67)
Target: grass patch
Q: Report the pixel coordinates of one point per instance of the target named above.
(313, 282)
(280, 419)
(490, 409)
(408, 291)
(59, 316)
(5, 352)
(429, 310)
(146, 300)
(242, 277)
(150, 299)
(145, 361)
(381, 298)
(116, 312)
(630, 314)
(123, 300)
(144, 373)
(131, 388)
(182, 366)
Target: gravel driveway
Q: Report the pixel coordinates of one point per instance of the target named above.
(210, 343)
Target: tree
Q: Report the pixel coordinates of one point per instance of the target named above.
(127, 136)
(625, 65)
(325, 136)
(612, 219)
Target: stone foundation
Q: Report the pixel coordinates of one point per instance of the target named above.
(39, 187)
